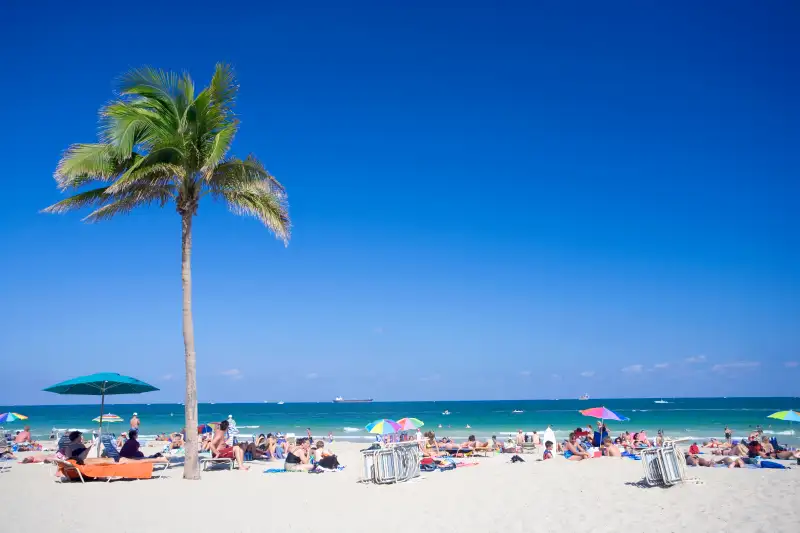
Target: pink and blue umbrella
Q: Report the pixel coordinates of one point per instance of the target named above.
(604, 413)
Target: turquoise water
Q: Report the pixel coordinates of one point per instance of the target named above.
(681, 417)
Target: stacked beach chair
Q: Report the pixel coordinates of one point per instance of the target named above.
(395, 464)
(664, 466)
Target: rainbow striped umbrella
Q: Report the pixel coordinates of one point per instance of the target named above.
(383, 426)
(410, 423)
(109, 418)
(11, 417)
(789, 416)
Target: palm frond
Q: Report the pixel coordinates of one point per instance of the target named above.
(223, 88)
(237, 172)
(219, 146)
(79, 201)
(122, 205)
(258, 200)
(162, 164)
(84, 163)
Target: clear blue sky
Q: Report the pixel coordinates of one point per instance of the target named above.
(491, 201)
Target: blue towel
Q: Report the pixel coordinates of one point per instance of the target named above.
(772, 464)
(274, 470)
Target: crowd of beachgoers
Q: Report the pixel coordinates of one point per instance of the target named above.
(223, 443)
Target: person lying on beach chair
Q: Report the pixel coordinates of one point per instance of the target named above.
(221, 450)
(476, 444)
(572, 450)
(130, 451)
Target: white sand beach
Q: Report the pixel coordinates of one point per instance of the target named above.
(599, 494)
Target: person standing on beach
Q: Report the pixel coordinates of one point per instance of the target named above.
(728, 435)
(135, 423)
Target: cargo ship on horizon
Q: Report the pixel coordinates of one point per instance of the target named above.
(339, 399)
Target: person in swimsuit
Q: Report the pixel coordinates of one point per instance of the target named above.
(135, 422)
(572, 451)
(221, 450)
(610, 449)
(298, 459)
(728, 435)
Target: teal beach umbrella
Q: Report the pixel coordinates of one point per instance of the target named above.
(101, 384)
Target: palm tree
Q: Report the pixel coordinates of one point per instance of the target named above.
(162, 143)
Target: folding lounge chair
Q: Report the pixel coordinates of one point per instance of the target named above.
(206, 461)
(74, 472)
(528, 447)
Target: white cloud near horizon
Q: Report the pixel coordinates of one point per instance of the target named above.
(525, 373)
(555, 376)
(633, 369)
(166, 377)
(587, 373)
(791, 364)
(660, 366)
(696, 359)
(734, 365)
(233, 373)
(312, 375)
(432, 377)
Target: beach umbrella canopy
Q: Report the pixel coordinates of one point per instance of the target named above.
(383, 426)
(108, 418)
(11, 417)
(410, 423)
(101, 384)
(789, 416)
(604, 413)
(204, 428)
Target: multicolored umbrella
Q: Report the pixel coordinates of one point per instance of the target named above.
(11, 417)
(108, 418)
(410, 423)
(383, 426)
(604, 414)
(204, 428)
(789, 416)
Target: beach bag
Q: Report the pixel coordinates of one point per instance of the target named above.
(772, 464)
(517, 459)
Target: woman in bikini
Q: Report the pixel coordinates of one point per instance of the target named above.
(298, 458)
(572, 451)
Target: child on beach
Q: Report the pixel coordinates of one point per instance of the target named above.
(548, 451)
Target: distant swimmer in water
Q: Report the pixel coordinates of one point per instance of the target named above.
(440, 426)
(468, 426)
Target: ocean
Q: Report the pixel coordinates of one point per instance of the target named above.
(697, 418)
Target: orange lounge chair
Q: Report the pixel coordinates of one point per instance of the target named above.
(133, 470)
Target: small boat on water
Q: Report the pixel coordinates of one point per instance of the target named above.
(517, 411)
(660, 401)
(584, 397)
(446, 412)
(281, 403)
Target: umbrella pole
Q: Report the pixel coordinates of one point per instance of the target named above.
(102, 407)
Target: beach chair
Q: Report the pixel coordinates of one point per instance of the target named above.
(207, 461)
(528, 447)
(108, 472)
(5, 465)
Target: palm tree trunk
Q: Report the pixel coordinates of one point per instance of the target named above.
(191, 469)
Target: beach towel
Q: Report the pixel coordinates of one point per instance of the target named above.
(772, 464)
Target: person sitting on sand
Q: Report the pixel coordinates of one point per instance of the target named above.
(536, 439)
(298, 458)
(572, 451)
(120, 442)
(320, 451)
(609, 449)
(694, 449)
(221, 450)
(520, 437)
(548, 450)
(431, 448)
(739, 449)
(24, 436)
